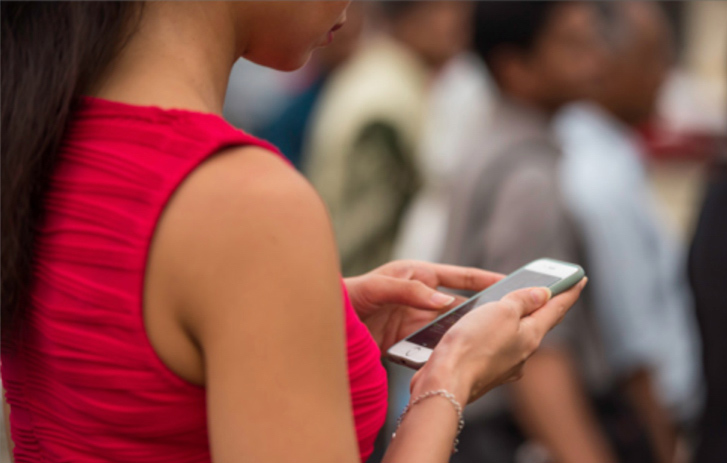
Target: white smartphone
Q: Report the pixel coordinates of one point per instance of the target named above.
(414, 351)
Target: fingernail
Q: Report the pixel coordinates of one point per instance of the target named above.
(441, 299)
(540, 295)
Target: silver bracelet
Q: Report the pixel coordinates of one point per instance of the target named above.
(439, 392)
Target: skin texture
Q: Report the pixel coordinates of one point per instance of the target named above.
(347, 38)
(172, 38)
(243, 280)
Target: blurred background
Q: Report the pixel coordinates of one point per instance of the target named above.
(691, 113)
(492, 133)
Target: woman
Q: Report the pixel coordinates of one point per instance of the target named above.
(171, 287)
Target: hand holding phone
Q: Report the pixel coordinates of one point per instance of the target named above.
(489, 346)
(416, 349)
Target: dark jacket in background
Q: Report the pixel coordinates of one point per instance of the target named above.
(708, 275)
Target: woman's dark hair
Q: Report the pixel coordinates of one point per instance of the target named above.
(52, 52)
(513, 24)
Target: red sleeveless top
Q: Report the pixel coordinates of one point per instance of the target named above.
(85, 384)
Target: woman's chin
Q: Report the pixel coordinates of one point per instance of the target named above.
(284, 64)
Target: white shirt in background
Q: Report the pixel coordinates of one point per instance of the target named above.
(460, 101)
(637, 268)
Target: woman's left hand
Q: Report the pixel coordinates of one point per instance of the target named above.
(400, 297)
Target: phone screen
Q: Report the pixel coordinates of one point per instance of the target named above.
(430, 336)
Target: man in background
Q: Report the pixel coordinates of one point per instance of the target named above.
(509, 210)
(363, 147)
(459, 99)
(640, 294)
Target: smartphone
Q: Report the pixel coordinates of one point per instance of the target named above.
(414, 351)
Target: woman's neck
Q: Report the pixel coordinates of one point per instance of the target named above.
(179, 56)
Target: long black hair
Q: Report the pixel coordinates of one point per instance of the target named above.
(52, 52)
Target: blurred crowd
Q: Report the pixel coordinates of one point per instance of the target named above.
(490, 134)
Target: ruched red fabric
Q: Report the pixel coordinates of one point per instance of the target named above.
(83, 382)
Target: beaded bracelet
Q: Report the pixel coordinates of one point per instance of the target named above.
(439, 392)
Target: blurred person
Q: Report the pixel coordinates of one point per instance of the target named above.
(460, 98)
(171, 290)
(641, 298)
(508, 209)
(363, 151)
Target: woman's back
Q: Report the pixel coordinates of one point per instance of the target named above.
(85, 383)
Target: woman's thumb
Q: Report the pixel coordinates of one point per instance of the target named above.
(529, 300)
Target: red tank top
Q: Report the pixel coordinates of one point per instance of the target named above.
(85, 384)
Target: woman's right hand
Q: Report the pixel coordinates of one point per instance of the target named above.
(490, 345)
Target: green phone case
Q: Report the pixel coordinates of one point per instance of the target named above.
(555, 289)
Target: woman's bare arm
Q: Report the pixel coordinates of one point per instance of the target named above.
(248, 257)
(250, 261)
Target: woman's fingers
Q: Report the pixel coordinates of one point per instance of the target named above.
(528, 300)
(449, 276)
(411, 293)
(464, 278)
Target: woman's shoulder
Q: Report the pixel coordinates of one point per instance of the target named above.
(247, 202)
(247, 186)
(242, 225)
(251, 175)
